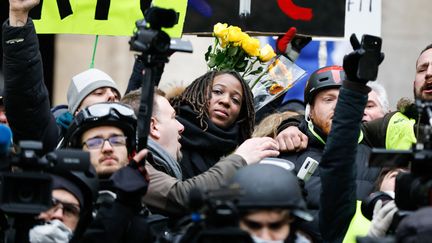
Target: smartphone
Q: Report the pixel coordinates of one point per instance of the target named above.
(369, 61)
(308, 168)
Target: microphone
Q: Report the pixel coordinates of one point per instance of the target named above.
(5, 140)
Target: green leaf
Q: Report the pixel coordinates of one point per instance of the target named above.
(219, 58)
(207, 55)
(232, 51)
(242, 64)
(257, 71)
(212, 61)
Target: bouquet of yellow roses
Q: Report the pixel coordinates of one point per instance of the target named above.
(268, 75)
(236, 50)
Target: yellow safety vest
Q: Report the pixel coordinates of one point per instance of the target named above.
(400, 132)
(399, 135)
(359, 226)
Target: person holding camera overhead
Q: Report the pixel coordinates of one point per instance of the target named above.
(321, 94)
(339, 167)
(27, 104)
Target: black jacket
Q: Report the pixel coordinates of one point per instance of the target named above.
(120, 214)
(26, 96)
(365, 177)
(337, 167)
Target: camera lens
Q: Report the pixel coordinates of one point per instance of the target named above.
(368, 205)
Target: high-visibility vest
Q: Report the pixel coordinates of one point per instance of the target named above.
(359, 226)
(400, 132)
(399, 135)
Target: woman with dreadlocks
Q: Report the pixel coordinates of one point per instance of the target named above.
(218, 115)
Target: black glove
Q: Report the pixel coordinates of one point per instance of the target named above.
(131, 183)
(351, 61)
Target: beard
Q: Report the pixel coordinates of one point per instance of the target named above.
(420, 93)
(324, 125)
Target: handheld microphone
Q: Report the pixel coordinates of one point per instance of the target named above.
(5, 140)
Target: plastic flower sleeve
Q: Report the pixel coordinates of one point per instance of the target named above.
(280, 75)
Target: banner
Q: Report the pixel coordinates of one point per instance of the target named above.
(265, 17)
(102, 17)
(363, 17)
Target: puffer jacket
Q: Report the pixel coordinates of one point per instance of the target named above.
(26, 96)
(365, 177)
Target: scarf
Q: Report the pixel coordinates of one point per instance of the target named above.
(163, 160)
(202, 149)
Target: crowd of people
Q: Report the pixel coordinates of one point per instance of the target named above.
(205, 175)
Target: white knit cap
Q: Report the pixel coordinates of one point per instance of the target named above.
(86, 82)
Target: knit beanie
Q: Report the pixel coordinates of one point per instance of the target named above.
(65, 184)
(86, 82)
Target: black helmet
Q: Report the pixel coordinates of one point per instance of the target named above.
(323, 78)
(268, 186)
(100, 114)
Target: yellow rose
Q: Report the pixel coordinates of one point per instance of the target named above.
(235, 34)
(220, 30)
(266, 53)
(241, 36)
(251, 46)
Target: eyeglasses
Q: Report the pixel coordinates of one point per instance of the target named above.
(253, 225)
(97, 143)
(69, 209)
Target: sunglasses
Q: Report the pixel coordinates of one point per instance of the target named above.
(97, 142)
(69, 209)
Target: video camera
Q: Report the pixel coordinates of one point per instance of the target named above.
(149, 38)
(215, 217)
(26, 186)
(155, 46)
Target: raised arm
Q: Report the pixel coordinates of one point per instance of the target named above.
(27, 101)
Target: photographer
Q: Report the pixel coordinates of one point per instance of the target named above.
(70, 214)
(380, 206)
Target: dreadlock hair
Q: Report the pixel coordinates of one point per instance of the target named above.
(198, 95)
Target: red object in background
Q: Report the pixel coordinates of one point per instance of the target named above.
(295, 12)
(282, 42)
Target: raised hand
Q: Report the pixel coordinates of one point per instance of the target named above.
(254, 150)
(18, 11)
(362, 60)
